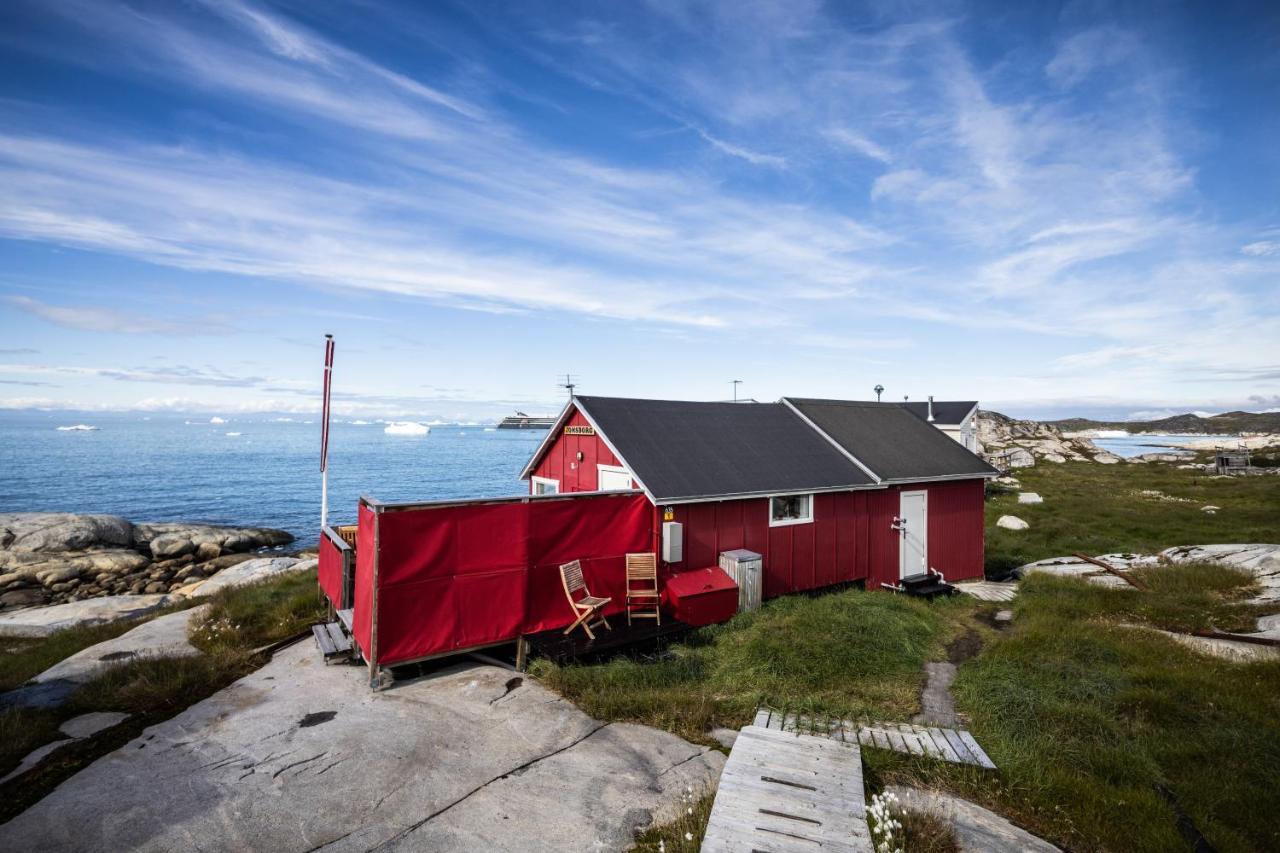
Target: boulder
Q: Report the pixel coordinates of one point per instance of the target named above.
(1030, 498)
(43, 621)
(62, 531)
(27, 597)
(168, 545)
(173, 539)
(1011, 522)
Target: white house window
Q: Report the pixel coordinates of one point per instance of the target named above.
(790, 509)
(545, 486)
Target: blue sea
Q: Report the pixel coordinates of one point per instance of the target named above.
(188, 469)
(1136, 445)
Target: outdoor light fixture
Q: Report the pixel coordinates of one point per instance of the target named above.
(579, 455)
(879, 389)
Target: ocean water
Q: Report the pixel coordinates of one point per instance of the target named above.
(164, 469)
(1136, 445)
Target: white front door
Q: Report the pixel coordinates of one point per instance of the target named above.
(913, 528)
(613, 477)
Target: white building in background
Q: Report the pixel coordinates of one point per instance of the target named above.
(957, 418)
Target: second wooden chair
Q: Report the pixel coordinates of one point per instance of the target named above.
(643, 596)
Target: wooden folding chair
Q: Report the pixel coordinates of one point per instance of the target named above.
(643, 596)
(588, 606)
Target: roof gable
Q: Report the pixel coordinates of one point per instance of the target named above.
(944, 412)
(890, 440)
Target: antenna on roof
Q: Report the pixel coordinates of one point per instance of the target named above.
(568, 384)
(930, 418)
(879, 389)
(735, 383)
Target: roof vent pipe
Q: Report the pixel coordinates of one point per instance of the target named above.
(930, 408)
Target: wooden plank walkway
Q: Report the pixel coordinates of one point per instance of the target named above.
(786, 793)
(952, 745)
(989, 590)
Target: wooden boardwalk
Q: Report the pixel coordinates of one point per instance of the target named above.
(952, 745)
(989, 590)
(782, 793)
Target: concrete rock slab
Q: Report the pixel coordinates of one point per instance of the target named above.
(251, 571)
(164, 636)
(1030, 498)
(301, 756)
(87, 725)
(1011, 522)
(977, 830)
(43, 621)
(1064, 566)
(35, 757)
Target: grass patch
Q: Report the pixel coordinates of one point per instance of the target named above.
(1088, 721)
(1178, 597)
(850, 654)
(22, 659)
(1099, 509)
(684, 834)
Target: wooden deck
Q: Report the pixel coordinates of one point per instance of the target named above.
(642, 635)
(783, 792)
(955, 746)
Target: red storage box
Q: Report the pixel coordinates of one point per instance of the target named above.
(702, 596)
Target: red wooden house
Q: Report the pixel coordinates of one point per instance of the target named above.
(828, 491)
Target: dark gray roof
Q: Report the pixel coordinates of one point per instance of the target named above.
(890, 440)
(944, 412)
(684, 450)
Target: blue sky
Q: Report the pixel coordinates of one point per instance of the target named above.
(1054, 208)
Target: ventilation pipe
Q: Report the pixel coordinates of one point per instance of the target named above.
(930, 419)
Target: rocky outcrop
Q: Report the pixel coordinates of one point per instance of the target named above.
(54, 557)
(1009, 443)
(302, 756)
(247, 572)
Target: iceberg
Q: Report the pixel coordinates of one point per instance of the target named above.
(77, 428)
(216, 420)
(406, 428)
(235, 433)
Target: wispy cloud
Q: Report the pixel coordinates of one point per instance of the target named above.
(94, 319)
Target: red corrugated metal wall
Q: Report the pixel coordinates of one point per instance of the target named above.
(561, 461)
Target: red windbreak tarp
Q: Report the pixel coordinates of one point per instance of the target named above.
(329, 570)
(452, 577)
(362, 618)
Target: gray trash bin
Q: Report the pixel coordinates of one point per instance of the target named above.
(747, 570)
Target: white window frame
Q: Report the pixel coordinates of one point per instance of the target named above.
(534, 482)
(786, 522)
(612, 469)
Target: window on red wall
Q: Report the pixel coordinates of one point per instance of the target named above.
(790, 509)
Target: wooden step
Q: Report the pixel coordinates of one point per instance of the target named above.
(333, 641)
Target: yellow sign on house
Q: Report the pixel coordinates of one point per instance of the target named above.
(579, 430)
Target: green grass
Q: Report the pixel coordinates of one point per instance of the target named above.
(1097, 509)
(22, 659)
(1086, 719)
(849, 654)
(684, 834)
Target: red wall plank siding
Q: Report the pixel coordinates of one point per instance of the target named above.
(851, 537)
(833, 549)
(956, 528)
(561, 461)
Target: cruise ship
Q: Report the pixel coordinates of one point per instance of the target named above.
(522, 421)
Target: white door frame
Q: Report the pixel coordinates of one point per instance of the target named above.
(611, 469)
(907, 530)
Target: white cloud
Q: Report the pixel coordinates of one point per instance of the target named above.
(855, 141)
(107, 320)
(1261, 248)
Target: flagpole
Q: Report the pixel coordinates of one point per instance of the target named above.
(324, 434)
